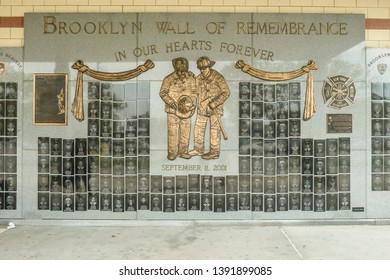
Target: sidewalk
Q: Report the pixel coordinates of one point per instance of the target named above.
(195, 241)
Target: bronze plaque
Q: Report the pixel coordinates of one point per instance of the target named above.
(339, 123)
(50, 99)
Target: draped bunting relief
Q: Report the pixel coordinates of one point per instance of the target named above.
(284, 76)
(77, 105)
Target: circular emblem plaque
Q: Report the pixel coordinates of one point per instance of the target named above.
(339, 91)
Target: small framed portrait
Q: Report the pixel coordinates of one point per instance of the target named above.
(131, 147)
(269, 185)
(294, 128)
(11, 90)
(245, 109)
(269, 203)
(307, 147)
(194, 182)
(294, 164)
(319, 166)
(319, 203)
(156, 183)
(269, 93)
(143, 127)
(118, 112)
(331, 147)
(244, 127)
(106, 91)
(269, 111)
(143, 183)
(344, 201)
(118, 203)
(282, 110)
(295, 147)
(282, 202)
(244, 90)
(93, 90)
(219, 185)
(244, 183)
(257, 110)
(257, 184)
(269, 166)
(244, 164)
(207, 184)
(257, 202)
(105, 128)
(269, 129)
(332, 183)
(81, 147)
(345, 180)
(294, 109)
(331, 202)
(257, 92)
(282, 184)
(156, 202)
(93, 127)
(119, 92)
(11, 109)
(377, 145)
(169, 184)
(43, 182)
(344, 164)
(68, 147)
(93, 109)
(131, 128)
(257, 165)
(257, 147)
(257, 129)
(68, 203)
(307, 184)
(118, 166)
(144, 146)
(377, 128)
(282, 129)
(294, 183)
(295, 90)
(56, 202)
(244, 144)
(118, 148)
(43, 164)
(219, 203)
(143, 164)
(206, 202)
(194, 201)
(131, 202)
(81, 184)
(269, 148)
(106, 110)
(43, 145)
(143, 201)
(232, 184)
(10, 164)
(282, 147)
(332, 165)
(105, 202)
(344, 146)
(319, 148)
(131, 184)
(294, 201)
(50, 99)
(377, 109)
(181, 184)
(307, 202)
(281, 92)
(282, 165)
(43, 201)
(118, 129)
(56, 146)
(244, 201)
(231, 202)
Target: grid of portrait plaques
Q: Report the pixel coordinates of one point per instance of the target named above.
(287, 172)
(108, 170)
(8, 145)
(380, 136)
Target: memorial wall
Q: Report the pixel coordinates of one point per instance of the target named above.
(194, 116)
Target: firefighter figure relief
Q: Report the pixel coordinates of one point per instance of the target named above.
(182, 93)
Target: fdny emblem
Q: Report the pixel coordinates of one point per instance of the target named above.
(339, 91)
(382, 67)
